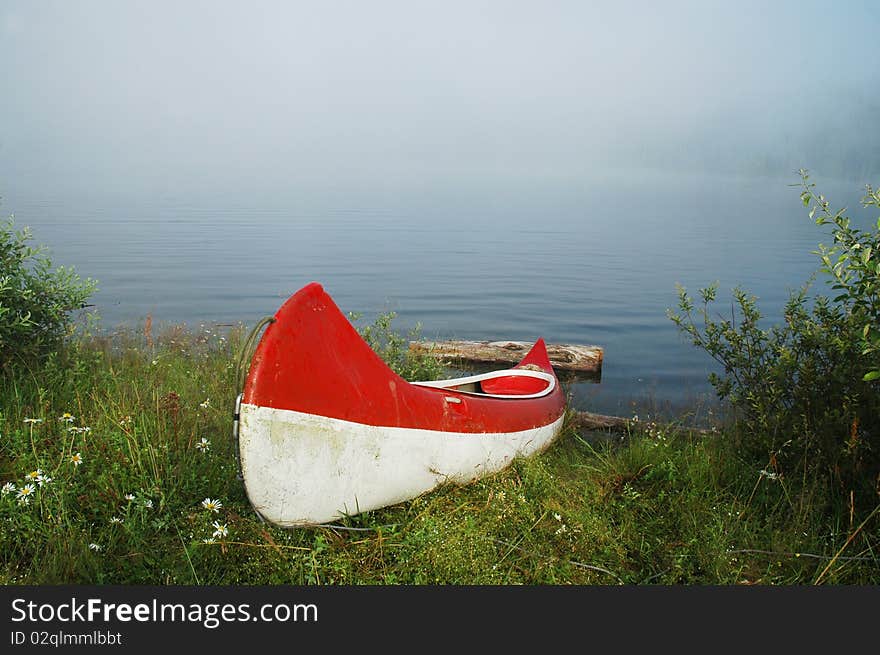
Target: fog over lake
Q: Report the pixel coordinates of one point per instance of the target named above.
(488, 169)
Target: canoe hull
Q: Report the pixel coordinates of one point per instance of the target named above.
(326, 429)
(303, 469)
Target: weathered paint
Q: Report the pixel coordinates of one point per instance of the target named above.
(302, 469)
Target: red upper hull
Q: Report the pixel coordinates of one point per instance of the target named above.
(312, 360)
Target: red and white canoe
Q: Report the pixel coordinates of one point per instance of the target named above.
(326, 429)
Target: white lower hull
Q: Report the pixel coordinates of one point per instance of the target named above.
(302, 469)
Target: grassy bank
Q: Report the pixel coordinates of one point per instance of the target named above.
(112, 450)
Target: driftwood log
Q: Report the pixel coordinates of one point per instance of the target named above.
(590, 421)
(566, 357)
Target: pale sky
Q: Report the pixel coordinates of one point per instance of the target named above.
(200, 98)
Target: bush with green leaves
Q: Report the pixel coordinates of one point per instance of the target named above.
(37, 301)
(853, 264)
(806, 390)
(393, 347)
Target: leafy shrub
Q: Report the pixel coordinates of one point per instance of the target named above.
(36, 301)
(855, 270)
(805, 388)
(393, 348)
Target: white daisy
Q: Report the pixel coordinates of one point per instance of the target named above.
(67, 417)
(33, 420)
(7, 489)
(212, 505)
(203, 445)
(26, 493)
(220, 529)
(76, 459)
(129, 497)
(95, 547)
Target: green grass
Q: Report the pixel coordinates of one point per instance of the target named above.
(657, 506)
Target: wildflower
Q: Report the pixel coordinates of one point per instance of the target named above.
(501, 496)
(34, 475)
(154, 362)
(212, 505)
(203, 445)
(75, 430)
(125, 420)
(562, 529)
(76, 459)
(95, 547)
(209, 540)
(769, 474)
(557, 516)
(220, 529)
(129, 497)
(43, 479)
(206, 404)
(148, 504)
(26, 493)
(115, 520)
(7, 489)
(67, 417)
(33, 420)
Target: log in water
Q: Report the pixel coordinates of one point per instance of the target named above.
(590, 421)
(567, 357)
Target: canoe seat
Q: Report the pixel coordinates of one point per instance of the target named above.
(513, 385)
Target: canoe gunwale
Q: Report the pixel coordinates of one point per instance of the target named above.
(491, 375)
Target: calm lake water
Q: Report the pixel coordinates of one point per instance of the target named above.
(595, 262)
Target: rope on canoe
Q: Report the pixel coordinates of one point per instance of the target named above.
(247, 352)
(241, 370)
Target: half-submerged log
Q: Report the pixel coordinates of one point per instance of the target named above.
(589, 421)
(566, 357)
